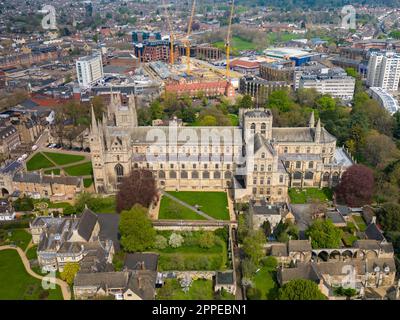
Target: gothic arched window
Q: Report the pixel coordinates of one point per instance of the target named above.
(119, 171)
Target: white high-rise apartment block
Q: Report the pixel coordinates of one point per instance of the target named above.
(89, 70)
(384, 71)
(332, 81)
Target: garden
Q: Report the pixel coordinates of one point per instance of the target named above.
(192, 250)
(17, 284)
(214, 204)
(199, 289)
(264, 282)
(18, 237)
(298, 196)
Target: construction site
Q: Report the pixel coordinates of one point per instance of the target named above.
(177, 63)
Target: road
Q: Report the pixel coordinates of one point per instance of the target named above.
(63, 285)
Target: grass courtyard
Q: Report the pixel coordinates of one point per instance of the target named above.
(169, 209)
(215, 204)
(63, 158)
(17, 284)
(19, 237)
(200, 289)
(298, 196)
(265, 281)
(192, 254)
(360, 222)
(53, 163)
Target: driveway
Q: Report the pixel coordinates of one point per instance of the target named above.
(302, 214)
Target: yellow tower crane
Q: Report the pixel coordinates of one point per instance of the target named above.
(171, 34)
(187, 40)
(228, 42)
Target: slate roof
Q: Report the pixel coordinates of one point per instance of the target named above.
(374, 233)
(134, 261)
(32, 177)
(86, 224)
(367, 244)
(304, 134)
(382, 263)
(224, 277)
(143, 283)
(302, 271)
(299, 245)
(109, 228)
(335, 217)
(112, 280)
(279, 250)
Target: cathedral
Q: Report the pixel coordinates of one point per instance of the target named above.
(252, 161)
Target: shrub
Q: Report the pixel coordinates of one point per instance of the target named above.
(160, 242)
(175, 240)
(253, 294)
(223, 233)
(269, 262)
(206, 240)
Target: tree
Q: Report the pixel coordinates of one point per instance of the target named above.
(175, 240)
(246, 102)
(208, 121)
(300, 289)
(69, 272)
(160, 242)
(253, 246)
(324, 234)
(136, 229)
(138, 188)
(356, 186)
(389, 217)
(266, 226)
(280, 100)
(379, 149)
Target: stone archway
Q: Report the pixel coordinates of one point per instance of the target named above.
(347, 255)
(4, 193)
(335, 255)
(323, 255)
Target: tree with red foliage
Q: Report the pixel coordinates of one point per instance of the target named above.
(356, 186)
(138, 188)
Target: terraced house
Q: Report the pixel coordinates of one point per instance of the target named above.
(254, 160)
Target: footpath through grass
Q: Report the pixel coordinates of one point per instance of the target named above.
(215, 204)
(170, 209)
(17, 284)
(19, 237)
(37, 162)
(63, 158)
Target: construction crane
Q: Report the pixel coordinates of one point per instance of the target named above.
(171, 34)
(228, 42)
(187, 40)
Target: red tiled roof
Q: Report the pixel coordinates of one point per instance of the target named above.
(245, 64)
(196, 86)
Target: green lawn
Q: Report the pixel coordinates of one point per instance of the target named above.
(265, 281)
(360, 222)
(199, 290)
(87, 182)
(105, 205)
(215, 204)
(37, 162)
(20, 238)
(190, 256)
(32, 253)
(275, 37)
(348, 239)
(63, 158)
(234, 119)
(298, 196)
(17, 284)
(84, 169)
(237, 44)
(55, 171)
(169, 209)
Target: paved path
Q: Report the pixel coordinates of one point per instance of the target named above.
(187, 206)
(64, 286)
